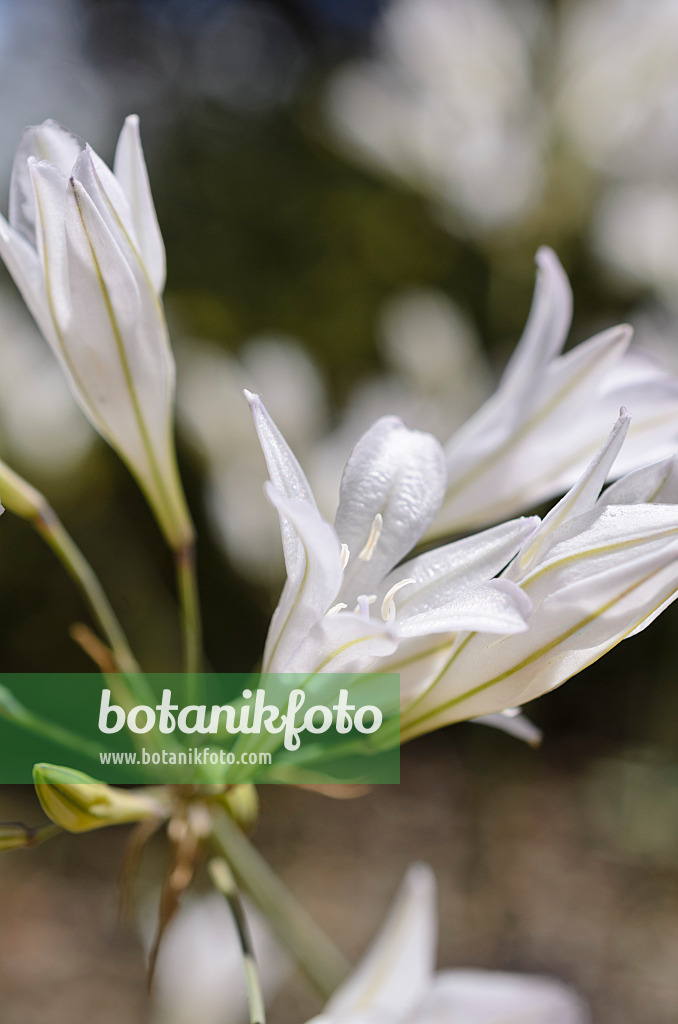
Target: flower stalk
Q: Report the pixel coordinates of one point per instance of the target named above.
(322, 963)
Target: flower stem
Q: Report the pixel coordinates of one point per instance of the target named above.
(321, 961)
(51, 529)
(223, 881)
(187, 586)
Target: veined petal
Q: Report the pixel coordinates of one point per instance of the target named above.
(573, 626)
(493, 997)
(104, 190)
(391, 489)
(583, 495)
(50, 190)
(343, 642)
(48, 141)
(496, 469)
(437, 574)
(396, 972)
(130, 170)
(497, 606)
(314, 576)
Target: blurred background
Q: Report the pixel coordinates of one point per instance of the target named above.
(351, 194)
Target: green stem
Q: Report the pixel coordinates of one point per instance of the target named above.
(321, 961)
(223, 881)
(14, 711)
(187, 586)
(62, 544)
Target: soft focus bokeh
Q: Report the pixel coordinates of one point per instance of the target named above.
(351, 194)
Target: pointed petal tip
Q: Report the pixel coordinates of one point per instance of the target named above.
(132, 120)
(252, 398)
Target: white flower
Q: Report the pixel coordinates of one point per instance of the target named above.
(551, 412)
(396, 981)
(448, 104)
(84, 248)
(596, 570)
(345, 605)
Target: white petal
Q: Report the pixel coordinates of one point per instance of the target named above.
(395, 473)
(396, 971)
(498, 465)
(583, 495)
(513, 722)
(104, 190)
(493, 997)
(23, 263)
(130, 171)
(343, 642)
(437, 574)
(286, 474)
(314, 577)
(581, 618)
(47, 141)
(497, 606)
(655, 483)
(546, 328)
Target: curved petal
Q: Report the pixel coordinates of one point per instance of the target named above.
(583, 495)
(286, 474)
(497, 468)
(497, 606)
(314, 576)
(130, 170)
(343, 642)
(50, 142)
(439, 573)
(391, 489)
(395, 973)
(493, 997)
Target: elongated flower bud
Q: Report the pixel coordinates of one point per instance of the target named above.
(84, 248)
(79, 803)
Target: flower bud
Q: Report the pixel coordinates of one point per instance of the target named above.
(78, 803)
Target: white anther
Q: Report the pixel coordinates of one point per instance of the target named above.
(345, 555)
(336, 608)
(371, 543)
(387, 605)
(363, 605)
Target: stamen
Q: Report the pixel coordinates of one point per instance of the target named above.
(363, 605)
(336, 608)
(371, 543)
(387, 605)
(345, 555)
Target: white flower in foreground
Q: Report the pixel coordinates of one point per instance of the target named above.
(593, 572)
(84, 248)
(396, 981)
(345, 606)
(551, 412)
(596, 570)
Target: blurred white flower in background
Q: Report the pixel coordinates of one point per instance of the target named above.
(448, 103)
(199, 974)
(44, 66)
(42, 431)
(396, 982)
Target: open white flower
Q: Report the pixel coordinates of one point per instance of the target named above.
(396, 981)
(84, 248)
(551, 412)
(596, 570)
(345, 605)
